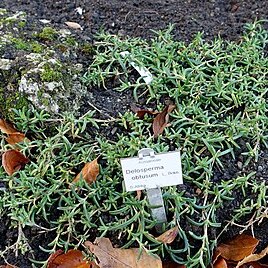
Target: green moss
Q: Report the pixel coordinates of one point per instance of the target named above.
(41, 98)
(3, 11)
(40, 93)
(17, 19)
(13, 20)
(48, 33)
(20, 44)
(63, 48)
(87, 48)
(10, 102)
(31, 46)
(9, 21)
(50, 74)
(36, 47)
(21, 24)
(45, 101)
(70, 41)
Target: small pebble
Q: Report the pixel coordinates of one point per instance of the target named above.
(198, 191)
(79, 10)
(114, 130)
(260, 168)
(45, 21)
(240, 165)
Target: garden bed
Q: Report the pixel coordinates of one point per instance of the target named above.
(219, 124)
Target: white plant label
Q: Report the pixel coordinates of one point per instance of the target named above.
(143, 71)
(155, 171)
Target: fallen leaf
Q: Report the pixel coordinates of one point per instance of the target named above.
(14, 138)
(13, 160)
(6, 127)
(257, 265)
(253, 257)
(198, 191)
(168, 236)
(89, 172)
(109, 257)
(238, 248)
(71, 259)
(53, 256)
(216, 255)
(138, 196)
(141, 112)
(220, 263)
(234, 7)
(73, 25)
(161, 120)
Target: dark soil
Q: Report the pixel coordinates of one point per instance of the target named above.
(136, 18)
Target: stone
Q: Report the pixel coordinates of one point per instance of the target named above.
(49, 80)
(5, 64)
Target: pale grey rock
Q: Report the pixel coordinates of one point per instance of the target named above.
(5, 64)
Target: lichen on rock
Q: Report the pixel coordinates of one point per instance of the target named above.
(48, 80)
(50, 85)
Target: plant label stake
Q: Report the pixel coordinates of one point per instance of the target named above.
(150, 171)
(143, 71)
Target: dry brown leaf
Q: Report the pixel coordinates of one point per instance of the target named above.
(253, 257)
(257, 265)
(14, 138)
(168, 236)
(238, 248)
(141, 112)
(138, 196)
(73, 25)
(53, 256)
(220, 263)
(109, 257)
(6, 127)
(71, 259)
(161, 120)
(216, 255)
(13, 160)
(89, 172)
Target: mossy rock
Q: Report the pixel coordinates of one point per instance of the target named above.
(36, 70)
